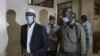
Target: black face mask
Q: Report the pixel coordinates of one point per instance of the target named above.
(83, 20)
(68, 23)
(52, 25)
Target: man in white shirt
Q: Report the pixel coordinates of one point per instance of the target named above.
(51, 28)
(88, 29)
(34, 40)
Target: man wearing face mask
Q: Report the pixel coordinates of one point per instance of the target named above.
(52, 27)
(34, 40)
(71, 36)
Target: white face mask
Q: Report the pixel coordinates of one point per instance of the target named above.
(52, 22)
(65, 20)
(29, 19)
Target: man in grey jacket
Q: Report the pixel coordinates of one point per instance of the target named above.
(71, 36)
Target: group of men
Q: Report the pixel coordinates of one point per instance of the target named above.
(69, 39)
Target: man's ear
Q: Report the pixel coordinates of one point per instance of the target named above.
(34, 15)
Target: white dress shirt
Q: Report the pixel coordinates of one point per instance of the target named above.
(89, 31)
(56, 27)
(29, 35)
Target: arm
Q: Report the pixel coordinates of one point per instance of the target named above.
(83, 41)
(22, 41)
(52, 33)
(58, 34)
(90, 32)
(51, 38)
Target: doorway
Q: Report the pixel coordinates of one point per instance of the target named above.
(43, 17)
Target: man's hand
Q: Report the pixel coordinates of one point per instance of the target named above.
(51, 38)
(24, 53)
(29, 54)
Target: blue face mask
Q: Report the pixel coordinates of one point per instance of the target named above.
(29, 19)
(65, 20)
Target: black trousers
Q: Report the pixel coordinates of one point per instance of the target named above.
(52, 53)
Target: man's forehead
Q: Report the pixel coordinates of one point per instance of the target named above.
(52, 19)
(29, 13)
(69, 9)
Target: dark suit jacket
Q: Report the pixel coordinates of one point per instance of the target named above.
(39, 40)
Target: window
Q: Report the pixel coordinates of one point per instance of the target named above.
(96, 9)
(43, 3)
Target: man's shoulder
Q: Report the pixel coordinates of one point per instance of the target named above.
(78, 24)
(25, 25)
(36, 24)
(56, 25)
(40, 26)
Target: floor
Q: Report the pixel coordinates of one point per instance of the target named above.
(95, 55)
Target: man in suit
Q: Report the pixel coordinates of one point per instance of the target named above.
(34, 40)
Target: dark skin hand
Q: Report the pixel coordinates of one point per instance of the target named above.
(51, 38)
(26, 54)
(29, 54)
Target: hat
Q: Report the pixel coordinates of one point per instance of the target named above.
(30, 10)
(51, 17)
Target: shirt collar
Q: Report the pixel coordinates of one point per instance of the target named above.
(53, 24)
(32, 25)
(85, 23)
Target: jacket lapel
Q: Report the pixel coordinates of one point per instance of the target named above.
(34, 32)
(26, 33)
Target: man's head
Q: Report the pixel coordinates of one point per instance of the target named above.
(52, 19)
(83, 18)
(66, 12)
(30, 15)
(68, 16)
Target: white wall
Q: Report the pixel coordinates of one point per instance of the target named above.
(20, 7)
(3, 32)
